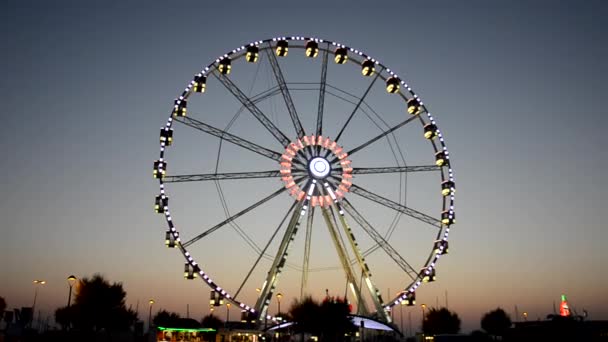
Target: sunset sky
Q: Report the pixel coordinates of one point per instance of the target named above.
(516, 87)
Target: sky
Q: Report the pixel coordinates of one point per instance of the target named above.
(516, 87)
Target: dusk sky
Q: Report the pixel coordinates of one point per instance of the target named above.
(517, 88)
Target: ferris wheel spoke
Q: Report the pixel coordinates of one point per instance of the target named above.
(201, 126)
(265, 94)
(380, 136)
(322, 85)
(263, 251)
(220, 176)
(253, 109)
(280, 259)
(234, 217)
(395, 206)
(378, 239)
(278, 74)
(361, 99)
(392, 169)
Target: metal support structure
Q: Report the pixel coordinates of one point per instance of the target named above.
(253, 109)
(201, 126)
(395, 206)
(263, 251)
(234, 217)
(344, 259)
(365, 272)
(278, 74)
(307, 242)
(261, 305)
(379, 240)
(224, 176)
(393, 169)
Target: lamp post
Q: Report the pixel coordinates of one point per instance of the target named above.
(525, 314)
(71, 280)
(36, 282)
(401, 315)
(423, 306)
(151, 302)
(226, 325)
(279, 296)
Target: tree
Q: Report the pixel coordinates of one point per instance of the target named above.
(441, 321)
(335, 318)
(496, 322)
(166, 319)
(2, 307)
(98, 305)
(329, 320)
(306, 313)
(213, 322)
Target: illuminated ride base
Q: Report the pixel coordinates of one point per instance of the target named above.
(320, 174)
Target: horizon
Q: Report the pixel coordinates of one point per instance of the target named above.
(515, 88)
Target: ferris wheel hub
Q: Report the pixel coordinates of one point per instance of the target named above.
(319, 168)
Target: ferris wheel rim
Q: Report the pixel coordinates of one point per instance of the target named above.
(267, 44)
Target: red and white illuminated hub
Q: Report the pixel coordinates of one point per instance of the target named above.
(321, 159)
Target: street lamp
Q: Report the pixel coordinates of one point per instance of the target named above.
(228, 319)
(525, 316)
(423, 306)
(71, 280)
(151, 302)
(401, 314)
(36, 282)
(279, 296)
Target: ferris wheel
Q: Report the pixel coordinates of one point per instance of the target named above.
(299, 165)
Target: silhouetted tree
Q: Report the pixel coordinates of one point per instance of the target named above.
(335, 319)
(441, 321)
(166, 319)
(98, 305)
(328, 320)
(306, 314)
(2, 307)
(64, 316)
(496, 322)
(213, 322)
